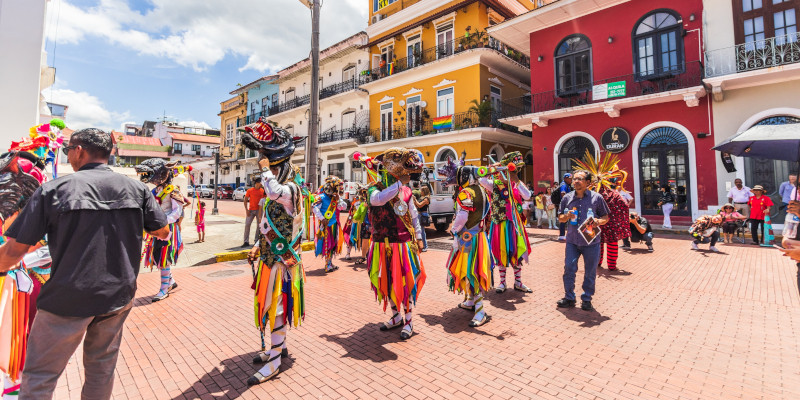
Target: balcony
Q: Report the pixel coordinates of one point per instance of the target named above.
(440, 52)
(341, 134)
(761, 62)
(608, 95)
(464, 120)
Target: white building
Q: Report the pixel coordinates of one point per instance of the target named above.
(752, 66)
(23, 72)
(187, 143)
(344, 106)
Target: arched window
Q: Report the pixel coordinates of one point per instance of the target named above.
(664, 160)
(658, 45)
(573, 65)
(573, 148)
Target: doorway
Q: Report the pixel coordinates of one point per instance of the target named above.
(664, 156)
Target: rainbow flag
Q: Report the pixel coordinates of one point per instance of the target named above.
(444, 122)
(391, 68)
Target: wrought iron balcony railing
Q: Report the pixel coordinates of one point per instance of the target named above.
(342, 134)
(771, 52)
(441, 51)
(424, 126)
(684, 76)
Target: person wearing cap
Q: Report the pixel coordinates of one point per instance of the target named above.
(566, 187)
(729, 225)
(759, 207)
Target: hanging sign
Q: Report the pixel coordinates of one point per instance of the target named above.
(608, 90)
(727, 162)
(615, 140)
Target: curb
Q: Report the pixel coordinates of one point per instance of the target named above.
(242, 254)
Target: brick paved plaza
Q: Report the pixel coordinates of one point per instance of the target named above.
(674, 324)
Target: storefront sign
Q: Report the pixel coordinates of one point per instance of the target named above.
(608, 90)
(383, 3)
(727, 162)
(615, 140)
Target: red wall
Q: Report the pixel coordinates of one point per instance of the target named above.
(609, 60)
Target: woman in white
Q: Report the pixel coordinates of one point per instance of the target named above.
(550, 209)
(666, 203)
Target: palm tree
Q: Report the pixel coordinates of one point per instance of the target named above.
(483, 109)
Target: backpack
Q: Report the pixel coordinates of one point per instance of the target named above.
(555, 197)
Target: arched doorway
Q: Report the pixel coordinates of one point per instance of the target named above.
(576, 148)
(664, 153)
(770, 173)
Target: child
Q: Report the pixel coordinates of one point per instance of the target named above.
(200, 221)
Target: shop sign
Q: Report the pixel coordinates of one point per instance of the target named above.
(615, 140)
(608, 90)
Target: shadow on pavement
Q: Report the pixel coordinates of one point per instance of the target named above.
(232, 371)
(507, 300)
(456, 320)
(587, 319)
(612, 275)
(367, 343)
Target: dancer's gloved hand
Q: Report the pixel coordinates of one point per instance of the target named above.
(252, 256)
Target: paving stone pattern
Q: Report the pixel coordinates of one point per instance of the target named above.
(673, 324)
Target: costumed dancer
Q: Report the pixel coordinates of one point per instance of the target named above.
(357, 230)
(163, 254)
(395, 270)
(507, 235)
(279, 278)
(608, 177)
(329, 232)
(21, 173)
(470, 263)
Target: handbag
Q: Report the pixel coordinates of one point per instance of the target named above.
(551, 207)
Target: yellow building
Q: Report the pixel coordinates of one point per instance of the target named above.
(231, 149)
(438, 83)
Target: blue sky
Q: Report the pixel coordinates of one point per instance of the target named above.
(123, 61)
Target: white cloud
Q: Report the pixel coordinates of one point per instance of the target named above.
(85, 110)
(195, 124)
(198, 34)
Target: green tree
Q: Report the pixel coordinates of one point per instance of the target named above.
(483, 110)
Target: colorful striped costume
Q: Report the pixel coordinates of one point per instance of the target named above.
(395, 271)
(507, 235)
(329, 237)
(279, 279)
(163, 254)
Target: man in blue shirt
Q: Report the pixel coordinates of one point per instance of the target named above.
(566, 187)
(785, 191)
(583, 201)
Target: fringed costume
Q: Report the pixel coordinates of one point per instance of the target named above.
(357, 231)
(279, 279)
(21, 173)
(329, 237)
(395, 271)
(157, 253)
(507, 235)
(470, 263)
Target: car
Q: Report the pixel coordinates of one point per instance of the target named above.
(239, 193)
(190, 191)
(442, 208)
(224, 192)
(205, 191)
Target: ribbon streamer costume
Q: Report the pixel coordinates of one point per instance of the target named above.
(507, 235)
(329, 237)
(357, 230)
(395, 271)
(21, 173)
(470, 262)
(279, 278)
(163, 254)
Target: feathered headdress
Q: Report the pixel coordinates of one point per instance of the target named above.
(448, 172)
(371, 165)
(43, 142)
(606, 170)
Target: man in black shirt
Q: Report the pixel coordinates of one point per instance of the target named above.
(94, 221)
(640, 232)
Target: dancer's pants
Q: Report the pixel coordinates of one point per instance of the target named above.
(591, 255)
(53, 340)
(714, 237)
(613, 253)
(667, 210)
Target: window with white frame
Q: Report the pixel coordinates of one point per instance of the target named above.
(413, 114)
(386, 121)
(348, 73)
(496, 98)
(229, 135)
(177, 147)
(444, 40)
(289, 95)
(264, 105)
(444, 102)
(414, 50)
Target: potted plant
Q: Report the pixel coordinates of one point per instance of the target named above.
(483, 109)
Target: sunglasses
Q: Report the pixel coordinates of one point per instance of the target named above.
(66, 149)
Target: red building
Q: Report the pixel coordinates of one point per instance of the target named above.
(623, 76)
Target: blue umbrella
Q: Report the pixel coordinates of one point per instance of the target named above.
(774, 142)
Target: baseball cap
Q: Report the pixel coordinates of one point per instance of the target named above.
(567, 175)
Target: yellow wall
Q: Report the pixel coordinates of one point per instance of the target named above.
(230, 116)
(508, 90)
(476, 18)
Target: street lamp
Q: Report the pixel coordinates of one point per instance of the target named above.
(215, 210)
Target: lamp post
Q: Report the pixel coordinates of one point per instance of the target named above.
(313, 126)
(215, 210)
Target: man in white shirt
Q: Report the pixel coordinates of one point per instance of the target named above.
(738, 196)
